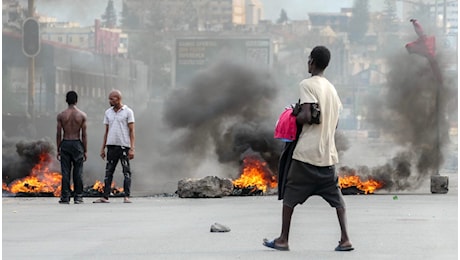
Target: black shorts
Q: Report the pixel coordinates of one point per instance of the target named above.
(305, 180)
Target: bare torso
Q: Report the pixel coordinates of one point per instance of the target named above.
(72, 121)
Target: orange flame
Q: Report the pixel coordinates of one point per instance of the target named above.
(255, 174)
(41, 179)
(99, 186)
(368, 186)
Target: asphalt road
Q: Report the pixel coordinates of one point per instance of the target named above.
(412, 225)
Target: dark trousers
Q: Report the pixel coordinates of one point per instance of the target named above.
(117, 153)
(72, 152)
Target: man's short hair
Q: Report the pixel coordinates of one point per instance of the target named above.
(71, 97)
(320, 56)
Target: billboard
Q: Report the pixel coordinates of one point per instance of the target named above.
(195, 54)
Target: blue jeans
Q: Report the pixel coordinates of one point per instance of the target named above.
(72, 155)
(117, 153)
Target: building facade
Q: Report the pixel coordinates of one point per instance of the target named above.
(60, 68)
(443, 12)
(204, 15)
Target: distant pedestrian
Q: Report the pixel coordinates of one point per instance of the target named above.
(119, 139)
(71, 148)
(312, 170)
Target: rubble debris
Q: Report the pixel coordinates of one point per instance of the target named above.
(207, 187)
(216, 227)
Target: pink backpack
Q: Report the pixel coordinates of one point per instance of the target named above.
(286, 127)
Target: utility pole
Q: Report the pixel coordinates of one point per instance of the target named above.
(31, 75)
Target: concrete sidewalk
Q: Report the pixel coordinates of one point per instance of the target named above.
(382, 226)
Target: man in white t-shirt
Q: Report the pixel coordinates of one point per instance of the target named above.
(119, 140)
(312, 170)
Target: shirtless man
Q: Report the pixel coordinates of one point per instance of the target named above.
(72, 148)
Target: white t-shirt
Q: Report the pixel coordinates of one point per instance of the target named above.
(316, 144)
(118, 125)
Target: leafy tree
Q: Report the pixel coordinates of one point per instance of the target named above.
(359, 21)
(151, 44)
(109, 18)
(128, 18)
(283, 19)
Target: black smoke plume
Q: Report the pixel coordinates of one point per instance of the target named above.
(225, 110)
(413, 109)
(18, 158)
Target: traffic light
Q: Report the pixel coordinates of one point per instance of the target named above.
(30, 37)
